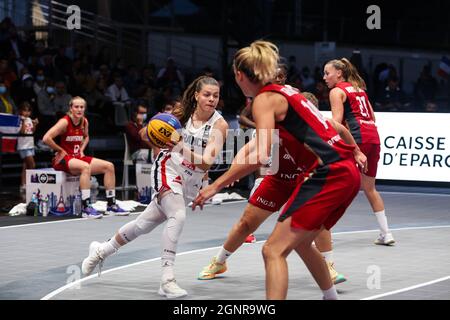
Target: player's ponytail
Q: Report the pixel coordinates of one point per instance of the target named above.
(188, 102)
(349, 73)
(259, 61)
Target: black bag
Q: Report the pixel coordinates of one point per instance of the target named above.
(31, 207)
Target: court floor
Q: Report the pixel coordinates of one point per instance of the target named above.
(42, 261)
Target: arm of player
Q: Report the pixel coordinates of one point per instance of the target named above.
(250, 159)
(212, 149)
(86, 138)
(337, 99)
(360, 157)
(58, 129)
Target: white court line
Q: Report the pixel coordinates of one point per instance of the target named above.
(407, 289)
(109, 216)
(78, 282)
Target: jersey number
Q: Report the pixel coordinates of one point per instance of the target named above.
(308, 105)
(76, 149)
(363, 107)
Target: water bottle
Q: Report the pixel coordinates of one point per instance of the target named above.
(77, 206)
(35, 200)
(45, 207)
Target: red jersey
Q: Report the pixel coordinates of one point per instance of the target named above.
(358, 116)
(72, 139)
(310, 130)
(293, 161)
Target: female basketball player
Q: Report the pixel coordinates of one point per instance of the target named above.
(351, 106)
(334, 180)
(73, 133)
(176, 180)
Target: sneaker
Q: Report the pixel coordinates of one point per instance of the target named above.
(115, 210)
(385, 240)
(171, 290)
(250, 239)
(95, 258)
(91, 213)
(210, 271)
(336, 277)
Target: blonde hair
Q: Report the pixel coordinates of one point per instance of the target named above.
(349, 73)
(259, 61)
(188, 102)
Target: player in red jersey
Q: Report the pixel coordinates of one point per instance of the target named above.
(333, 178)
(350, 105)
(73, 133)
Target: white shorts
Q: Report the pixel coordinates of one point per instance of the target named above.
(183, 178)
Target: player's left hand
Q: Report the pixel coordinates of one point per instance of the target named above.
(203, 195)
(361, 160)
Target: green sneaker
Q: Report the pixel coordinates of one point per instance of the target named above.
(210, 271)
(335, 276)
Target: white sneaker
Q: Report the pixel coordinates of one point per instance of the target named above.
(93, 259)
(171, 290)
(385, 240)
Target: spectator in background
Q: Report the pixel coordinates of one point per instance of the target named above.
(117, 92)
(357, 60)
(393, 98)
(6, 73)
(307, 80)
(61, 100)
(171, 76)
(426, 86)
(24, 92)
(149, 97)
(25, 145)
(322, 94)
(41, 82)
(7, 104)
(431, 106)
(293, 73)
(139, 149)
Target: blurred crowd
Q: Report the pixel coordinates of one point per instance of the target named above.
(48, 76)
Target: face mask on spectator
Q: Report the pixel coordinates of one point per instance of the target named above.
(40, 78)
(50, 90)
(2, 89)
(144, 117)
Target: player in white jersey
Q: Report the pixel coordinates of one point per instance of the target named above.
(176, 179)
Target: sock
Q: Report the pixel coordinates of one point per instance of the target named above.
(223, 255)
(111, 197)
(167, 271)
(330, 294)
(109, 247)
(86, 197)
(328, 256)
(382, 222)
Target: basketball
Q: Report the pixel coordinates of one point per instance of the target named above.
(162, 128)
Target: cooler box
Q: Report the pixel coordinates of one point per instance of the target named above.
(60, 188)
(143, 182)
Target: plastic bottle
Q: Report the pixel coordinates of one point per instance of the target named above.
(45, 207)
(77, 206)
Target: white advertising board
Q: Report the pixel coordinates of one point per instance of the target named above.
(414, 146)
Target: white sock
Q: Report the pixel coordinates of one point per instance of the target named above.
(382, 222)
(330, 294)
(223, 255)
(85, 194)
(167, 271)
(111, 193)
(110, 247)
(328, 256)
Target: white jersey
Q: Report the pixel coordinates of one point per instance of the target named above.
(171, 171)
